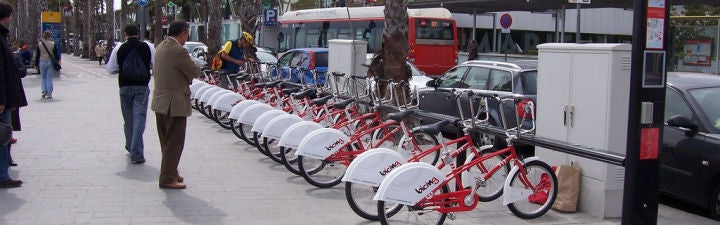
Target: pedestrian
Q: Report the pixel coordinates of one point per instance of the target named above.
(472, 51)
(12, 95)
(15, 114)
(99, 52)
(26, 55)
(174, 71)
(45, 55)
(134, 93)
(233, 56)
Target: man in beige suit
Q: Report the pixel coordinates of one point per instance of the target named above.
(173, 71)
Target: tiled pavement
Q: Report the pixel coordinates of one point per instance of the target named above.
(76, 171)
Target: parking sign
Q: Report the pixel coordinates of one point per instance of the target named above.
(271, 17)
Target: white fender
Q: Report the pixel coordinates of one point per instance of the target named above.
(195, 86)
(292, 137)
(215, 96)
(409, 183)
(227, 101)
(371, 167)
(511, 194)
(277, 126)
(202, 91)
(322, 143)
(264, 119)
(240, 108)
(253, 112)
(208, 93)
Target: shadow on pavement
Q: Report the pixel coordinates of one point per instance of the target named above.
(8, 204)
(186, 207)
(139, 172)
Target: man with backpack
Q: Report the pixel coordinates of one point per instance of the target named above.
(234, 56)
(133, 61)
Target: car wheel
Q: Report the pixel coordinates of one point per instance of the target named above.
(714, 203)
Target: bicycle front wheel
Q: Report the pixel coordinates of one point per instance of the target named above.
(542, 182)
(492, 188)
(420, 142)
(360, 198)
(321, 173)
(414, 215)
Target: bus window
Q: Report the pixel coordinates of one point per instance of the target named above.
(433, 29)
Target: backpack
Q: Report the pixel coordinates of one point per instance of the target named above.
(134, 68)
(22, 71)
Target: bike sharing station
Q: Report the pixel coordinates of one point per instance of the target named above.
(601, 108)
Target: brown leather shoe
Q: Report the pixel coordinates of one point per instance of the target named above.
(11, 183)
(176, 185)
(180, 179)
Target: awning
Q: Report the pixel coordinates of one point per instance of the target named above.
(480, 6)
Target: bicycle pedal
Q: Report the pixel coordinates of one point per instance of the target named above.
(451, 216)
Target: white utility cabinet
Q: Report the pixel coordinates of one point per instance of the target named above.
(347, 56)
(583, 92)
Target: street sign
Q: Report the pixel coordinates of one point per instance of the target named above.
(579, 1)
(141, 3)
(266, 4)
(270, 17)
(506, 20)
(170, 4)
(505, 30)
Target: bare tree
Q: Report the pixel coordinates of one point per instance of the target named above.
(250, 15)
(157, 24)
(214, 26)
(110, 26)
(395, 43)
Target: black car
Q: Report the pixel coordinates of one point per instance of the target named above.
(502, 78)
(690, 155)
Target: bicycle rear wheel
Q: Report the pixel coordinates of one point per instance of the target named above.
(222, 118)
(493, 186)
(246, 134)
(290, 160)
(321, 173)
(235, 127)
(258, 143)
(360, 199)
(413, 215)
(270, 147)
(544, 184)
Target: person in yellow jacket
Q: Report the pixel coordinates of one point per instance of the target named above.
(100, 52)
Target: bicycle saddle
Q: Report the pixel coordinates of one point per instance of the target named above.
(432, 129)
(302, 94)
(398, 116)
(321, 101)
(343, 104)
(288, 91)
(272, 83)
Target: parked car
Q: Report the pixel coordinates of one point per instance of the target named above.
(309, 58)
(501, 78)
(197, 51)
(690, 155)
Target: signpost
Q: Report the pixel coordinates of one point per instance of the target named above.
(141, 17)
(51, 21)
(271, 17)
(505, 23)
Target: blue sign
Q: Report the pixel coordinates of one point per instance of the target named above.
(271, 17)
(506, 20)
(55, 34)
(141, 3)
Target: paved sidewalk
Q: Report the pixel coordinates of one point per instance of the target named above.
(76, 171)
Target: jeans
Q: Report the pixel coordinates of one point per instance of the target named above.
(226, 78)
(134, 103)
(47, 71)
(4, 154)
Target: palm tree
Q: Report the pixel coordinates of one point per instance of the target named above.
(214, 26)
(250, 13)
(395, 43)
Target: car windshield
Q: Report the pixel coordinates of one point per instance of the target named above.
(266, 57)
(321, 59)
(707, 99)
(529, 81)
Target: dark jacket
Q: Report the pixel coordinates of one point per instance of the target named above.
(144, 51)
(12, 93)
(236, 53)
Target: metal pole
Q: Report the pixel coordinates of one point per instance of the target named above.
(474, 24)
(640, 194)
(717, 52)
(557, 25)
(562, 27)
(577, 27)
(495, 36)
(141, 17)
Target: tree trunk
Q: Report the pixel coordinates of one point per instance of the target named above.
(395, 46)
(110, 27)
(77, 27)
(214, 26)
(250, 14)
(157, 24)
(124, 9)
(89, 30)
(33, 25)
(202, 31)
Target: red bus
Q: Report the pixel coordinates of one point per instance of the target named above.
(432, 32)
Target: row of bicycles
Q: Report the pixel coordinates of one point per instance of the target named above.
(393, 172)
